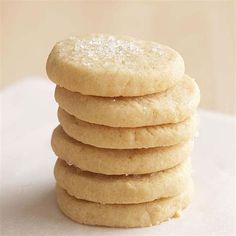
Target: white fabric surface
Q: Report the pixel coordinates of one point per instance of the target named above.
(28, 205)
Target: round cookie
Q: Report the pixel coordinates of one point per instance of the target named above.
(115, 161)
(122, 189)
(127, 138)
(171, 106)
(112, 66)
(126, 216)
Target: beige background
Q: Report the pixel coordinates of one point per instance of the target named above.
(202, 31)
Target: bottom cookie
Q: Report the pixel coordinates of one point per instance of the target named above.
(118, 215)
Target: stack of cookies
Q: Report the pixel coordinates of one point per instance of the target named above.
(127, 123)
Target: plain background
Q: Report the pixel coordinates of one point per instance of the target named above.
(202, 31)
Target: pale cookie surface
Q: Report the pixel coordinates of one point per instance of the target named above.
(171, 106)
(127, 138)
(131, 215)
(122, 189)
(112, 66)
(117, 162)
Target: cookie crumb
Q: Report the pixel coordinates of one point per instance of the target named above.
(69, 163)
(177, 214)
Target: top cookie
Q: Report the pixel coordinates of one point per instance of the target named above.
(111, 66)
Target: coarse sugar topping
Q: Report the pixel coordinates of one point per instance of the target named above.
(109, 50)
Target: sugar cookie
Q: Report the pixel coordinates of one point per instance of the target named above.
(171, 106)
(126, 216)
(111, 66)
(115, 161)
(127, 138)
(110, 189)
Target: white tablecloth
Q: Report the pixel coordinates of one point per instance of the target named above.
(28, 205)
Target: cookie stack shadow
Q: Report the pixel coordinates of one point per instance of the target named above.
(123, 152)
